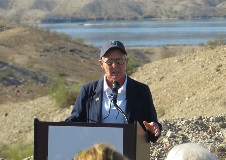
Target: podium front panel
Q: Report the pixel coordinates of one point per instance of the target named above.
(54, 140)
(64, 142)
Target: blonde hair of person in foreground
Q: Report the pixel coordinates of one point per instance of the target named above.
(189, 151)
(101, 151)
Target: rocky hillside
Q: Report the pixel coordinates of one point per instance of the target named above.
(77, 10)
(188, 91)
(32, 58)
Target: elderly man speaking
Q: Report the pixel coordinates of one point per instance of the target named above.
(116, 98)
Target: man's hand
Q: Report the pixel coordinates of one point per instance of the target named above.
(152, 127)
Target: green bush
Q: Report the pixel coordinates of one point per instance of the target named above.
(6, 73)
(132, 64)
(16, 151)
(63, 94)
(221, 40)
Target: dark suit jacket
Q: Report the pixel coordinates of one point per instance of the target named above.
(139, 104)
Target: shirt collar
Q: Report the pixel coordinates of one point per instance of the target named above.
(121, 89)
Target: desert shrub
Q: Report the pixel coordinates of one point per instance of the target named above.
(6, 73)
(201, 44)
(221, 40)
(161, 112)
(132, 64)
(3, 58)
(167, 52)
(63, 94)
(16, 151)
(80, 40)
(64, 36)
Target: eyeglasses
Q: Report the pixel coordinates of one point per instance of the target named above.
(119, 61)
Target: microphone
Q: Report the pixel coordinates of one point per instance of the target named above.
(115, 87)
(114, 95)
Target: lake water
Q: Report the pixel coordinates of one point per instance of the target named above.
(144, 33)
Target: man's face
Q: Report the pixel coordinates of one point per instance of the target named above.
(111, 63)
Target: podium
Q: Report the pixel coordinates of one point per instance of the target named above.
(63, 140)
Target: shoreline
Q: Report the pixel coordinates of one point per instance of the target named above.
(77, 20)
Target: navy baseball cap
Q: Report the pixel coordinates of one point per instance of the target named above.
(112, 44)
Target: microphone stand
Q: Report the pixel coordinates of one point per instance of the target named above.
(114, 100)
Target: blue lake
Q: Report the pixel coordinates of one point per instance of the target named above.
(144, 33)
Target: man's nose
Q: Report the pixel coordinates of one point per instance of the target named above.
(114, 64)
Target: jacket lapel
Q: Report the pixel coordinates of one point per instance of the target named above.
(129, 97)
(97, 100)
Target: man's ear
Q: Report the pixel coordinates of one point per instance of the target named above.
(101, 64)
(127, 61)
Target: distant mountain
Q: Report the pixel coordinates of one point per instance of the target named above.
(77, 10)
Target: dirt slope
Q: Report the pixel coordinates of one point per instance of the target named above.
(31, 56)
(188, 85)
